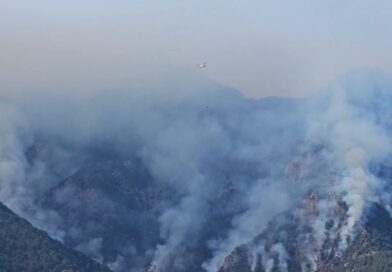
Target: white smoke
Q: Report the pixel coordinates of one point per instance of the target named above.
(282, 256)
(251, 223)
(356, 140)
(196, 137)
(13, 138)
(349, 120)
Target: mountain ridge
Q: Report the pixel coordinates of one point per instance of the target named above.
(25, 248)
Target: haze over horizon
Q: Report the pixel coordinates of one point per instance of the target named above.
(117, 140)
(249, 45)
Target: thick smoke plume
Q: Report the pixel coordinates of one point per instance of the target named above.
(222, 156)
(349, 121)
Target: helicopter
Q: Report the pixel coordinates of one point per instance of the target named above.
(203, 65)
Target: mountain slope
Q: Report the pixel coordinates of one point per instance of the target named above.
(120, 210)
(25, 248)
(120, 215)
(371, 250)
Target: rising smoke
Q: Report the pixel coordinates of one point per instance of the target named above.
(199, 139)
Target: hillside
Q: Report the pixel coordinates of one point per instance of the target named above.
(175, 185)
(370, 251)
(25, 248)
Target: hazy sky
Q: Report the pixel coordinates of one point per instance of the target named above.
(260, 47)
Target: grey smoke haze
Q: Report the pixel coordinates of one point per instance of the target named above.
(194, 135)
(121, 76)
(350, 119)
(80, 46)
(197, 136)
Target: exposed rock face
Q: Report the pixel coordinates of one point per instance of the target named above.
(371, 250)
(109, 209)
(237, 261)
(25, 248)
(312, 236)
